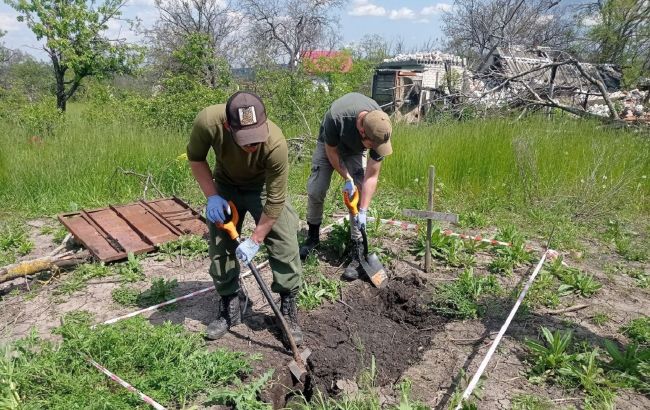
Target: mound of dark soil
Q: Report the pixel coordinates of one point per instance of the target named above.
(392, 324)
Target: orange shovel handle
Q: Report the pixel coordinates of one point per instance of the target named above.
(230, 224)
(353, 203)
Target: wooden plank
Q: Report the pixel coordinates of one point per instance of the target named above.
(121, 230)
(90, 238)
(427, 259)
(145, 222)
(438, 216)
(160, 219)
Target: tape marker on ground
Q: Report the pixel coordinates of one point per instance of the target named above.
(124, 384)
(472, 384)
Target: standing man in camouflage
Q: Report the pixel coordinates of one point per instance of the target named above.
(251, 170)
(353, 124)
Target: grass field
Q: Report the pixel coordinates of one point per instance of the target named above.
(547, 170)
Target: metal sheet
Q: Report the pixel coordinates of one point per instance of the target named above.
(111, 233)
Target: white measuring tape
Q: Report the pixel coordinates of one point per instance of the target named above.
(472, 384)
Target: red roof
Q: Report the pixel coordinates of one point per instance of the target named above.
(328, 61)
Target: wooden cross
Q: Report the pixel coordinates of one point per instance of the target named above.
(430, 216)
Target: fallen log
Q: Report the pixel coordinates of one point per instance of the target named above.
(34, 266)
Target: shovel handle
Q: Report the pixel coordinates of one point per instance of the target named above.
(278, 314)
(230, 224)
(352, 203)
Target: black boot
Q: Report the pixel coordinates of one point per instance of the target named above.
(311, 242)
(229, 315)
(354, 270)
(290, 312)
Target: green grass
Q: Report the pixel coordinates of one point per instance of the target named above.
(14, 242)
(461, 299)
(579, 171)
(168, 363)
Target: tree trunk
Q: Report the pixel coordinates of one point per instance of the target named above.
(59, 74)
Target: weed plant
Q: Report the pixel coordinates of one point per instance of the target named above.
(338, 239)
(167, 362)
(131, 270)
(82, 274)
(188, 246)
(58, 232)
(161, 290)
(125, 295)
(600, 318)
(629, 367)
(461, 298)
(544, 291)
(638, 330)
(242, 395)
(14, 242)
(573, 281)
(316, 287)
(531, 402)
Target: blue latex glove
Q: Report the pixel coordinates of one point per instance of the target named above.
(217, 209)
(362, 218)
(349, 187)
(246, 250)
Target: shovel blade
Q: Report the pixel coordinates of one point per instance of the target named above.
(299, 370)
(377, 274)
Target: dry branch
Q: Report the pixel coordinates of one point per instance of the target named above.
(34, 266)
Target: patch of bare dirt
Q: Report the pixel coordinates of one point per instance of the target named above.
(391, 324)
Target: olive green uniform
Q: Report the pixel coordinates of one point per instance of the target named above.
(256, 183)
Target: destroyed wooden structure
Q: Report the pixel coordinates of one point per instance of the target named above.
(406, 84)
(563, 81)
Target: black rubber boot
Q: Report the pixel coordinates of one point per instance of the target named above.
(311, 242)
(229, 316)
(290, 312)
(354, 270)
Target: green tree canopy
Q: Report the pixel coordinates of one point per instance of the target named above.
(76, 41)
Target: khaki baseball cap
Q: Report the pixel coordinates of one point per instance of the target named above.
(246, 117)
(377, 127)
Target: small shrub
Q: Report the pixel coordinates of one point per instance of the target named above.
(638, 330)
(14, 242)
(131, 270)
(243, 396)
(552, 354)
(600, 318)
(578, 283)
(460, 299)
(473, 219)
(189, 246)
(125, 295)
(338, 238)
(160, 291)
(312, 294)
(531, 402)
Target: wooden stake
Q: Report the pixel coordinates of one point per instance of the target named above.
(427, 255)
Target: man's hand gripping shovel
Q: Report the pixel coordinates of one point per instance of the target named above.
(297, 365)
(370, 263)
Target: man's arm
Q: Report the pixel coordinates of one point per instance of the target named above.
(263, 228)
(203, 175)
(334, 158)
(370, 180)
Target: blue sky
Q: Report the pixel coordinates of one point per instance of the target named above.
(413, 21)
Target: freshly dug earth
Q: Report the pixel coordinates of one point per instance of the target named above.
(391, 324)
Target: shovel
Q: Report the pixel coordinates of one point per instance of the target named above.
(369, 263)
(297, 365)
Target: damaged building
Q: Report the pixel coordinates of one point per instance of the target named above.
(407, 84)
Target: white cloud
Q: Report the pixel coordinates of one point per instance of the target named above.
(422, 21)
(365, 8)
(8, 22)
(403, 13)
(436, 9)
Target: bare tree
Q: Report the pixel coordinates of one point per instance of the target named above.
(179, 21)
(288, 28)
(476, 28)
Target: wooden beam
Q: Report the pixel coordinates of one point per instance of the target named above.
(438, 216)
